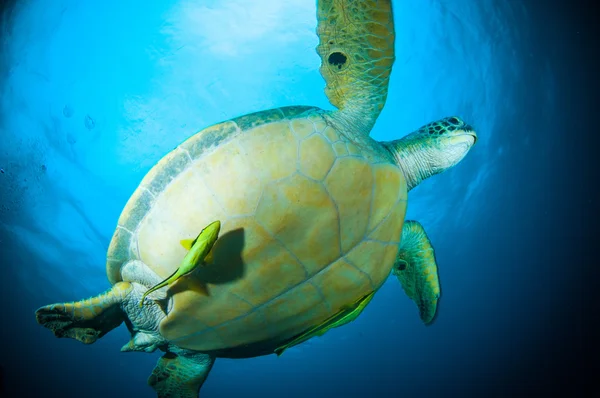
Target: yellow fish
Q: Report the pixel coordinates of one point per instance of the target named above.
(345, 315)
(199, 250)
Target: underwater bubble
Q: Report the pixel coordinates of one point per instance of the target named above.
(68, 111)
(71, 138)
(89, 122)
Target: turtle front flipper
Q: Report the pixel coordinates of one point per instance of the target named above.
(180, 376)
(356, 46)
(86, 320)
(416, 269)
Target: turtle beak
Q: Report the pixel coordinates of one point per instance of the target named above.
(463, 136)
(470, 131)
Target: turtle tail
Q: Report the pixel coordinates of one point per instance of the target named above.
(86, 320)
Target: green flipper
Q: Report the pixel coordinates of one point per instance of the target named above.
(356, 46)
(199, 248)
(345, 315)
(180, 376)
(416, 269)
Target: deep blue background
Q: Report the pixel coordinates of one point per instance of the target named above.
(94, 93)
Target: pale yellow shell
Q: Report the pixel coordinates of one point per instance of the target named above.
(310, 222)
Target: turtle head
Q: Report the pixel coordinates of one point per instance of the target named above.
(433, 148)
(447, 141)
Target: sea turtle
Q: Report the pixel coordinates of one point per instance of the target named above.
(311, 210)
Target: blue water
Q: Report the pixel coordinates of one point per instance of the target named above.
(94, 93)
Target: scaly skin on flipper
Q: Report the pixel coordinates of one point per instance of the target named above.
(356, 46)
(416, 269)
(180, 376)
(86, 320)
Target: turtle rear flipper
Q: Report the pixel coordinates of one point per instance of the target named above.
(86, 320)
(180, 376)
